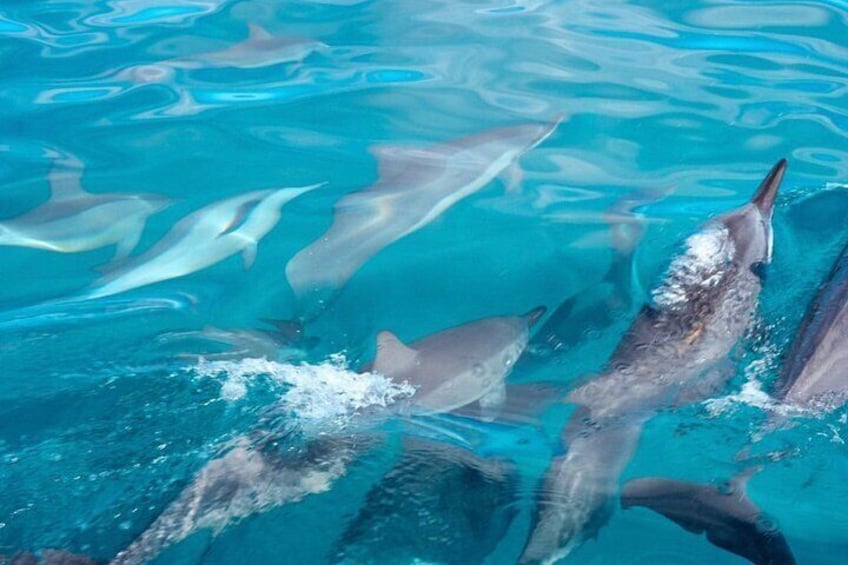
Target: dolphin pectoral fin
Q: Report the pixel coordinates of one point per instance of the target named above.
(727, 516)
(492, 402)
(248, 256)
(513, 178)
(535, 315)
(392, 355)
(257, 33)
(128, 243)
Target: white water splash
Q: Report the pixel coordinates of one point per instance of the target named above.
(707, 255)
(751, 394)
(322, 392)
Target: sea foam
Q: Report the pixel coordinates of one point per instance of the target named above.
(328, 391)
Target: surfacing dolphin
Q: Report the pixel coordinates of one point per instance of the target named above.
(669, 356)
(814, 379)
(415, 186)
(457, 366)
(74, 220)
(451, 368)
(202, 239)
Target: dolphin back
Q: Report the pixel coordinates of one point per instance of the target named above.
(729, 519)
(822, 318)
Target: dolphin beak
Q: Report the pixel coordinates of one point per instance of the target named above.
(767, 191)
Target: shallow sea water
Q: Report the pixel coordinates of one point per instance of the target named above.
(106, 410)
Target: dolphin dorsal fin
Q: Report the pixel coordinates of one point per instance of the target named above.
(392, 354)
(256, 32)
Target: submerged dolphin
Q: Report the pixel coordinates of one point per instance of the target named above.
(410, 515)
(415, 186)
(729, 519)
(668, 356)
(285, 342)
(260, 49)
(457, 366)
(73, 220)
(601, 304)
(246, 480)
(202, 239)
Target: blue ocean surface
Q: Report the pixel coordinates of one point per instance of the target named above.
(129, 127)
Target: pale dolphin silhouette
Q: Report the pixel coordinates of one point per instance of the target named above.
(670, 355)
(202, 239)
(415, 186)
(260, 49)
(74, 220)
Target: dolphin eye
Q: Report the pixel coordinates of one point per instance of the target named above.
(478, 369)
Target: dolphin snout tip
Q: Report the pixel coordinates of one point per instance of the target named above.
(767, 191)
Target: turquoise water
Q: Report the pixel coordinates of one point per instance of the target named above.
(107, 411)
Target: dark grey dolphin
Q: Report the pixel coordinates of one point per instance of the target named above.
(613, 297)
(415, 186)
(814, 374)
(729, 519)
(668, 356)
(74, 220)
(440, 503)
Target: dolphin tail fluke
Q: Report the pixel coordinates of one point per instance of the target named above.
(727, 516)
(248, 256)
(767, 191)
(128, 243)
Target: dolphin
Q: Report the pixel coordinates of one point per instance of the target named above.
(730, 520)
(283, 343)
(409, 516)
(814, 374)
(814, 378)
(248, 479)
(415, 186)
(457, 366)
(74, 220)
(264, 470)
(671, 354)
(613, 297)
(202, 239)
(260, 49)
